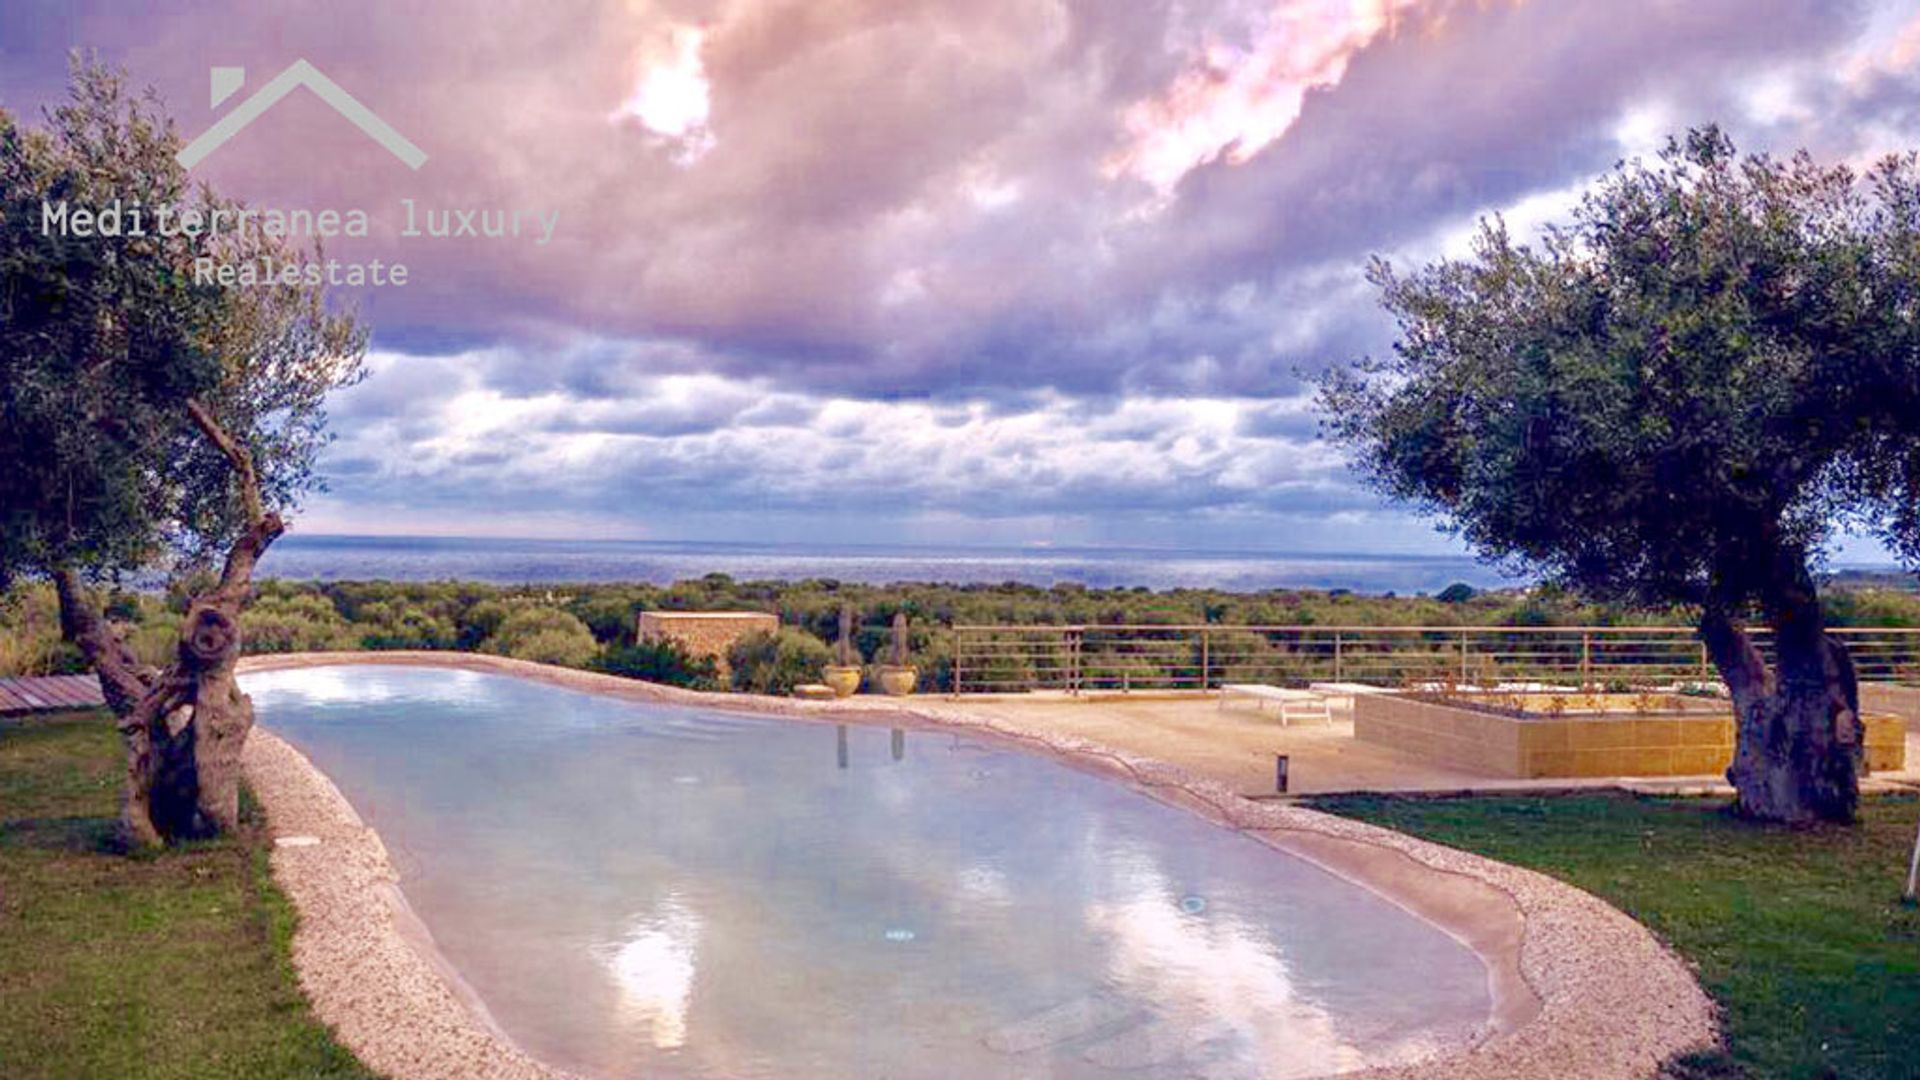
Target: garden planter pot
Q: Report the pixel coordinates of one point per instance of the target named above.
(898, 681)
(844, 680)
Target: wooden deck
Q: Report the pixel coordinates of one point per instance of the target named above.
(46, 693)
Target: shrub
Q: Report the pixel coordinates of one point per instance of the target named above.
(664, 661)
(935, 661)
(122, 606)
(30, 642)
(155, 641)
(396, 624)
(609, 613)
(479, 622)
(182, 588)
(304, 622)
(561, 647)
(1244, 656)
(41, 652)
(546, 636)
(774, 662)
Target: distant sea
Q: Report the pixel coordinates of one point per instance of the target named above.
(517, 562)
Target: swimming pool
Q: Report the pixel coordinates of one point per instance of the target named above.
(640, 889)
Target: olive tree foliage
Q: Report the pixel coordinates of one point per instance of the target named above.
(1678, 396)
(148, 420)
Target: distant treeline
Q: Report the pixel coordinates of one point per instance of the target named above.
(592, 625)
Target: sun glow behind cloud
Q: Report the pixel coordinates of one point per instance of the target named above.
(672, 97)
(1233, 101)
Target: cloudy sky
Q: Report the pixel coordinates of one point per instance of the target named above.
(977, 271)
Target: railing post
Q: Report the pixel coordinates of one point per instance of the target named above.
(1463, 658)
(1336, 657)
(1586, 661)
(1206, 658)
(959, 661)
(1703, 662)
(1073, 660)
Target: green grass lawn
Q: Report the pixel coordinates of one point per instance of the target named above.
(167, 965)
(1801, 936)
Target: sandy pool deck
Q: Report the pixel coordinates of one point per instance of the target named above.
(1578, 988)
(1235, 746)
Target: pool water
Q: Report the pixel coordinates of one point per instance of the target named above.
(647, 890)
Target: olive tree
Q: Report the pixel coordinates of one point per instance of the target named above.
(149, 419)
(1678, 396)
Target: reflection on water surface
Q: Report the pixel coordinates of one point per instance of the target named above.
(650, 890)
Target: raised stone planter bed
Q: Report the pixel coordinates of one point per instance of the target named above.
(1676, 738)
(1903, 701)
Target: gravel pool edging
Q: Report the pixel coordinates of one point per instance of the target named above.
(365, 961)
(1578, 987)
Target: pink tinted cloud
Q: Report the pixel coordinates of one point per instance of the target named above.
(1235, 99)
(893, 195)
(798, 236)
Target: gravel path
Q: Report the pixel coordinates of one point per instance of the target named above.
(1579, 989)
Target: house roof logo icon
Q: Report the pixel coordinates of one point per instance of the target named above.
(224, 82)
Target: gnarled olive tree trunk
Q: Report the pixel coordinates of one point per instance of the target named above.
(1798, 746)
(184, 726)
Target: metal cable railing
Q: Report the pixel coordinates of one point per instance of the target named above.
(1141, 657)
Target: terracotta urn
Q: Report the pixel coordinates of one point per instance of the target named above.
(845, 679)
(898, 680)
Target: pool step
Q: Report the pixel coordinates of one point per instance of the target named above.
(1060, 1024)
(694, 727)
(1202, 1048)
(1122, 1036)
(1154, 1043)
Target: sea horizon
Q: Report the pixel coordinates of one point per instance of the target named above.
(533, 560)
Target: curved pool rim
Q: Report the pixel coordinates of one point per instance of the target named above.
(1575, 984)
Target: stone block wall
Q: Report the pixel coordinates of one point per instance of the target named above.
(704, 633)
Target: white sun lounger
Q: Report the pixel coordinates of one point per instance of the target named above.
(1294, 704)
